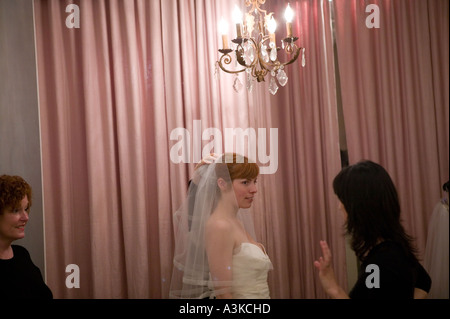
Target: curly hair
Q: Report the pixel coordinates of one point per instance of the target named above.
(12, 190)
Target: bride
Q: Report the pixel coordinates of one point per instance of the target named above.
(216, 252)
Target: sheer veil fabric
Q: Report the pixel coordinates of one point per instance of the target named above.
(191, 277)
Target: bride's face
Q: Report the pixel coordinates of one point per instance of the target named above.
(244, 190)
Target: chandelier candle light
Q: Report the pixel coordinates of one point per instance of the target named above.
(255, 48)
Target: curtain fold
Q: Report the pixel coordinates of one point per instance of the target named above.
(305, 210)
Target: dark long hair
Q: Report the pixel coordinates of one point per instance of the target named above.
(370, 198)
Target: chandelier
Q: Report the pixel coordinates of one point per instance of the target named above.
(255, 47)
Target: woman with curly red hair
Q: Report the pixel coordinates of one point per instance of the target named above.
(19, 276)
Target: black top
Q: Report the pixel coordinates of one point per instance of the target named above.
(398, 274)
(20, 278)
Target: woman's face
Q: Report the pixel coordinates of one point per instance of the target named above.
(341, 208)
(244, 190)
(13, 221)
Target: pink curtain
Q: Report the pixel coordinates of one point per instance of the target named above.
(395, 97)
(111, 93)
(303, 206)
(98, 136)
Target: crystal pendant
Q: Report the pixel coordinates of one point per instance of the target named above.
(282, 77)
(250, 53)
(216, 72)
(303, 58)
(237, 86)
(246, 55)
(264, 53)
(250, 22)
(273, 87)
(273, 52)
(250, 81)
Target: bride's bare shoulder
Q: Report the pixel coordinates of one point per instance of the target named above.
(218, 223)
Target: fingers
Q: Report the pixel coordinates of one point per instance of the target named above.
(325, 260)
(208, 159)
(325, 250)
(318, 263)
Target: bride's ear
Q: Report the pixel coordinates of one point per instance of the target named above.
(222, 184)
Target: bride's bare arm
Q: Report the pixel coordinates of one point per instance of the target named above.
(219, 248)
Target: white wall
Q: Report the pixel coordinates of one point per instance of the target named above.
(19, 114)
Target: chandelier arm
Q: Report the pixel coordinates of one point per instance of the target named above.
(240, 55)
(274, 66)
(227, 60)
(294, 58)
(264, 68)
(268, 66)
(259, 74)
(255, 5)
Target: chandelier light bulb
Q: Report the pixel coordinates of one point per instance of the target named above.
(272, 25)
(223, 26)
(223, 29)
(289, 14)
(237, 18)
(237, 15)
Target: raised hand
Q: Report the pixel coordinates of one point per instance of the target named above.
(326, 273)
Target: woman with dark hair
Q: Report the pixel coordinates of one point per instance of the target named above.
(389, 266)
(19, 277)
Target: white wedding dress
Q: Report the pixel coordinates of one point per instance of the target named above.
(250, 269)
